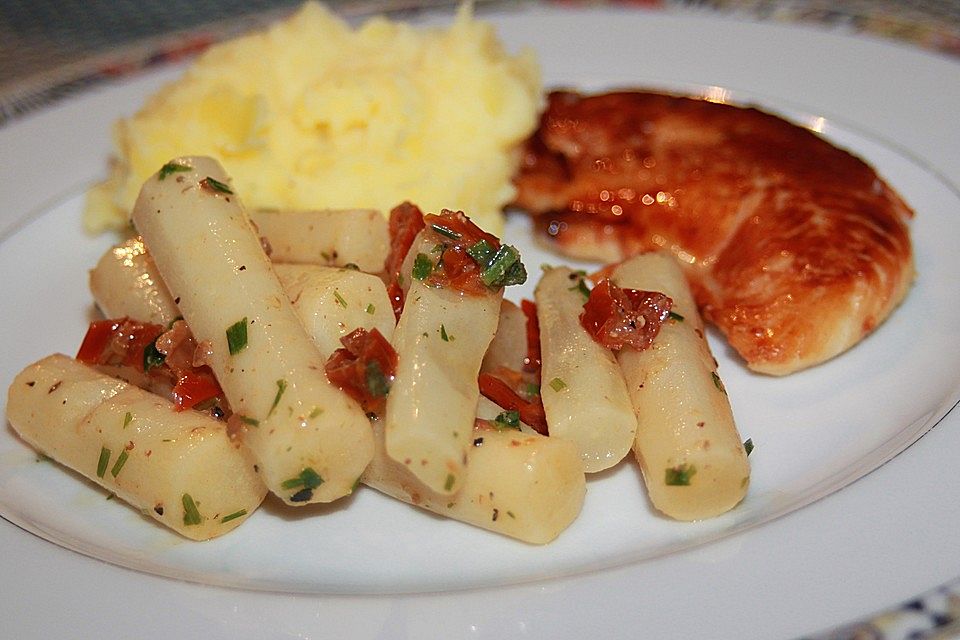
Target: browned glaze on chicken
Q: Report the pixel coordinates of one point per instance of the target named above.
(795, 249)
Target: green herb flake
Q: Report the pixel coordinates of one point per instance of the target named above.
(103, 461)
(171, 168)
(371, 309)
(717, 382)
(351, 266)
(679, 476)
(445, 231)
(748, 445)
(233, 516)
(253, 422)
(307, 479)
(558, 385)
(377, 383)
(191, 515)
(443, 334)
(281, 387)
(118, 465)
(340, 300)
(449, 483)
(673, 315)
(237, 336)
(215, 185)
(152, 358)
(532, 390)
(481, 252)
(315, 412)
(127, 419)
(422, 266)
(503, 269)
(507, 420)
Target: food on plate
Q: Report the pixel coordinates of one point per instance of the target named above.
(313, 379)
(311, 113)
(584, 395)
(311, 443)
(178, 467)
(693, 459)
(454, 274)
(795, 249)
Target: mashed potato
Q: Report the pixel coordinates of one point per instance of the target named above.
(313, 114)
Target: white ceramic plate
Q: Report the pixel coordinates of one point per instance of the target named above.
(780, 565)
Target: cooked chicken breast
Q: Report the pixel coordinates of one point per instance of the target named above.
(795, 249)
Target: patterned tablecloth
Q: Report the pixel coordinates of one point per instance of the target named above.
(52, 48)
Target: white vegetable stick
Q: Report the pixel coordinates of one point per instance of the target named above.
(310, 440)
(126, 276)
(136, 445)
(440, 341)
(584, 395)
(692, 457)
(332, 302)
(523, 485)
(328, 237)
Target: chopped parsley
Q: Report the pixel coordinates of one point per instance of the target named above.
(377, 383)
(281, 387)
(673, 315)
(443, 334)
(306, 479)
(748, 445)
(215, 185)
(152, 357)
(558, 385)
(340, 300)
(170, 168)
(501, 267)
(233, 516)
(237, 336)
(103, 461)
(422, 266)
(191, 515)
(679, 476)
(118, 465)
(127, 419)
(253, 422)
(371, 309)
(445, 231)
(449, 483)
(507, 420)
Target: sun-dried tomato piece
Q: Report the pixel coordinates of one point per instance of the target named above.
(617, 317)
(364, 369)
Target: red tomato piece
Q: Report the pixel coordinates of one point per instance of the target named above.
(120, 341)
(364, 369)
(194, 387)
(506, 395)
(533, 361)
(617, 317)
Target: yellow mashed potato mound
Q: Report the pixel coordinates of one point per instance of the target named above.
(311, 113)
